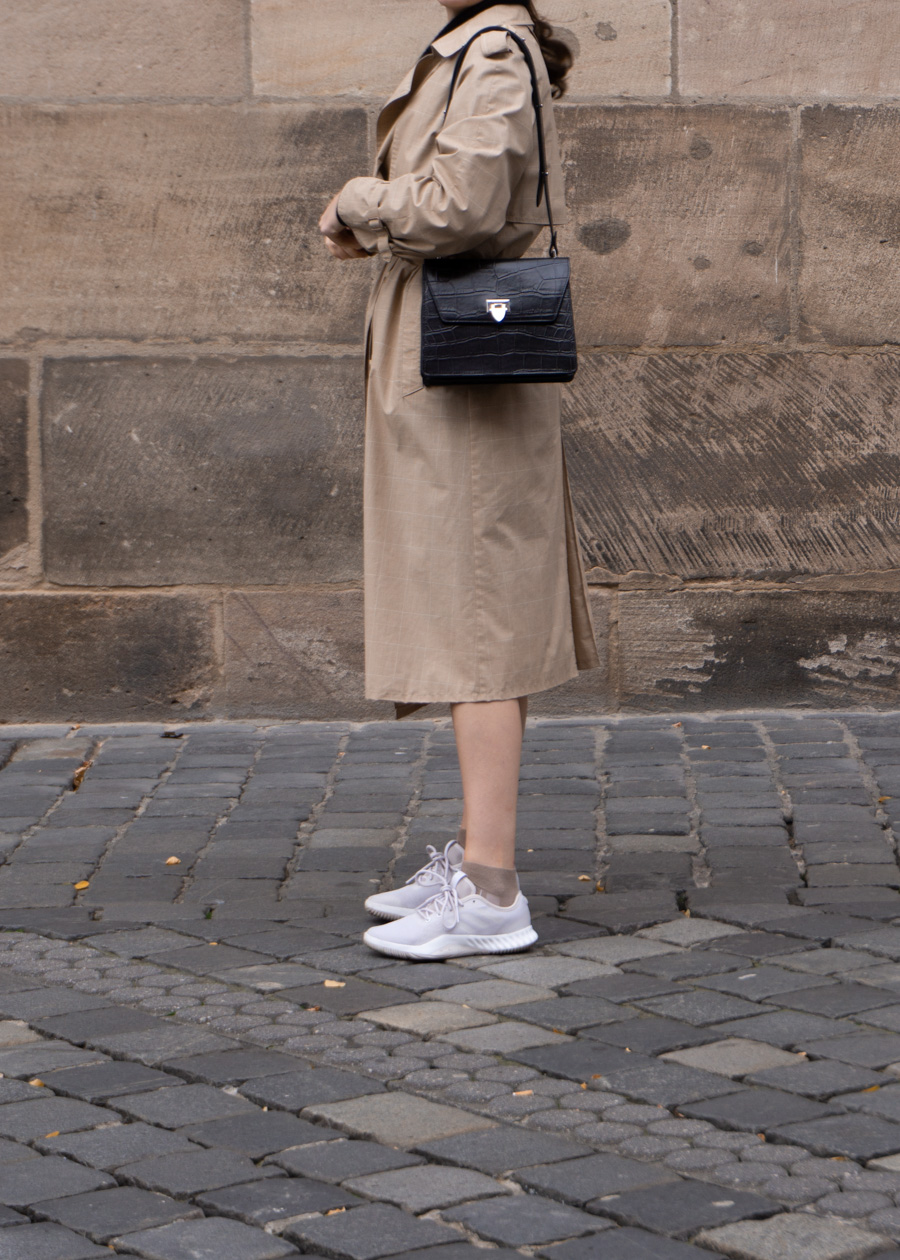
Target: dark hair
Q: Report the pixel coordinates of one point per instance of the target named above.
(558, 56)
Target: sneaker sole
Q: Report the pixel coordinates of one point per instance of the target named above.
(456, 946)
(381, 912)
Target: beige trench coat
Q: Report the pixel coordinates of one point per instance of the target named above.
(473, 583)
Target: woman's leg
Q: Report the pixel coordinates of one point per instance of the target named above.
(489, 744)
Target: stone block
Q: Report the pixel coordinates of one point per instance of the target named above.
(735, 1057)
(681, 1209)
(850, 268)
(626, 1244)
(178, 220)
(300, 51)
(397, 1119)
(13, 467)
(106, 1213)
(501, 1150)
(212, 1237)
(264, 1202)
(501, 1038)
(29, 1182)
(525, 1220)
(336, 1161)
(649, 1036)
(296, 1090)
(189, 1173)
(48, 1242)
(679, 222)
(423, 1189)
(106, 49)
(114, 1145)
(792, 1236)
(296, 654)
(592, 691)
(230, 470)
(580, 1181)
(859, 1137)
(428, 1018)
(257, 1133)
(232, 1066)
(96, 656)
(181, 1105)
(758, 1110)
(786, 52)
(728, 648)
(368, 1233)
(490, 994)
(26, 1121)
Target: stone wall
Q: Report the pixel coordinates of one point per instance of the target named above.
(180, 372)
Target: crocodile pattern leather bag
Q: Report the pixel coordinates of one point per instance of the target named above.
(500, 322)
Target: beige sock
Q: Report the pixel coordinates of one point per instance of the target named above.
(495, 883)
(461, 837)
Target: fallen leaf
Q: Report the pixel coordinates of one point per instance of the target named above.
(335, 1211)
(585, 879)
(598, 1076)
(335, 984)
(882, 799)
(761, 1136)
(173, 861)
(871, 1089)
(36, 1082)
(600, 888)
(82, 883)
(705, 747)
(213, 942)
(584, 1084)
(54, 1133)
(678, 724)
(78, 776)
(522, 1093)
(559, 1032)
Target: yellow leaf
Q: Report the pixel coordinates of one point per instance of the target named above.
(335, 1211)
(335, 984)
(54, 1133)
(584, 1084)
(600, 888)
(82, 883)
(559, 1032)
(705, 747)
(36, 1082)
(173, 861)
(761, 1136)
(882, 799)
(78, 776)
(522, 1093)
(678, 724)
(213, 942)
(871, 1089)
(585, 879)
(597, 1076)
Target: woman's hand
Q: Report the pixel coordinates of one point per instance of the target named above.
(339, 240)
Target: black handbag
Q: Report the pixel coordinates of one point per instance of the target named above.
(502, 322)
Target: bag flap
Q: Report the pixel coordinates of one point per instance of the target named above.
(510, 291)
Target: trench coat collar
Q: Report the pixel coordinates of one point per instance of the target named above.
(498, 15)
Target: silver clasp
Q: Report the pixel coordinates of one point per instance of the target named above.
(498, 307)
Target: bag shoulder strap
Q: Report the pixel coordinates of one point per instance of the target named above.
(543, 177)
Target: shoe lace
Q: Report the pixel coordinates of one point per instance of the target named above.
(438, 867)
(444, 904)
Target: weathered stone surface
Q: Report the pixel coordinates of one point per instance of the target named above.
(227, 470)
(177, 220)
(124, 48)
(679, 228)
(296, 654)
(679, 463)
(342, 49)
(788, 50)
(850, 267)
(65, 657)
(13, 466)
(727, 648)
(794, 1237)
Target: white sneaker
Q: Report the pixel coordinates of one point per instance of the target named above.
(456, 921)
(420, 887)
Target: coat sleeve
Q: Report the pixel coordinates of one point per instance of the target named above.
(482, 151)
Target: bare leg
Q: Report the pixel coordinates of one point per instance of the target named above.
(489, 744)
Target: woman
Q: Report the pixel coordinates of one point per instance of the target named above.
(474, 592)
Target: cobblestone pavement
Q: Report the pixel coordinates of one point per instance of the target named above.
(701, 1056)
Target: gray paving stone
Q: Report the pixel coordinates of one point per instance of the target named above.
(156, 1047)
(788, 1029)
(682, 1208)
(757, 1110)
(580, 1060)
(33, 1003)
(104, 1214)
(12, 1090)
(524, 1221)
(337, 1161)
(295, 1090)
(865, 1049)
(14, 1152)
(857, 1136)
(257, 1134)
(189, 1173)
(649, 1034)
(567, 1014)
(502, 1038)
(230, 1067)
(700, 1007)
(106, 1080)
(397, 1119)
(91, 1027)
(422, 977)
(28, 1061)
(356, 996)
(734, 1057)
(757, 984)
(685, 964)
(667, 1084)
(46, 1242)
(27, 1120)
(114, 1145)
(24, 1184)
(422, 1189)
(210, 1239)
(792, 1237)
(263, 1202)
(581, 1181)
(182, 1105)
(502, 1149)
(367, 1233)
(819, 1078)
(624, 1243)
